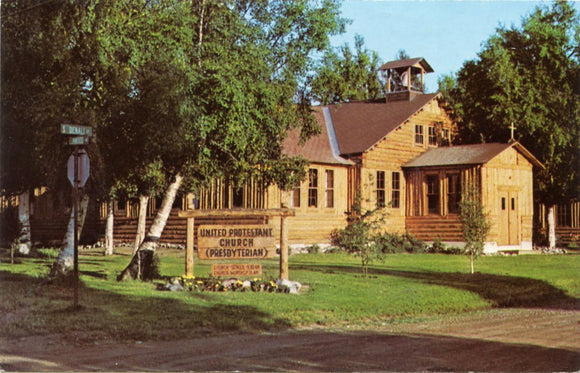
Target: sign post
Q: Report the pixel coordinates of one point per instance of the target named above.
(238, 241)
(78, 170)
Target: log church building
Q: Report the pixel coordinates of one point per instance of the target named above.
(395, 153)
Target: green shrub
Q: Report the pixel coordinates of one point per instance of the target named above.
(359, 236)
(392, 243)
(313, 249)
(438, 247)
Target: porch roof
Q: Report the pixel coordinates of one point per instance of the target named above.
(467, 155)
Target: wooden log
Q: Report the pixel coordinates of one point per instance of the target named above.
(189, 248)
(237, 213)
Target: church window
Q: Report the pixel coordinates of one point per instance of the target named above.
(432, 184)
(419, 134)
(329, 192)
(381, 189)
(453, 193)
(312, 187)
(396, 190)
(432, 136)
(295, 200)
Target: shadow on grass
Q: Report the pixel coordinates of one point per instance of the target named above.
(29, 306)
(501, 291)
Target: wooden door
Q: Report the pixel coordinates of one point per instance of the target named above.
(509, 219)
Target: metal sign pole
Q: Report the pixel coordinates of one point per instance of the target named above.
(78, 175)
(76, 227)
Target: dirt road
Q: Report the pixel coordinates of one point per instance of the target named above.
(514, 340)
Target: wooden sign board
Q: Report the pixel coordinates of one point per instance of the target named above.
(230, 270)
(224, 242)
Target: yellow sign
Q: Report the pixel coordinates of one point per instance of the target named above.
(228, 270)
(223, 242)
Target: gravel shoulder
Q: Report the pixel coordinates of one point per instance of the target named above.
(512, 340)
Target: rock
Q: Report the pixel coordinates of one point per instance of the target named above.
(174, 285)
(229, 283)
(292, 287)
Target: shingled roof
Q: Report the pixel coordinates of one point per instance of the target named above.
(319, 148)
(398, 64)
(361, 125)
(467, 155)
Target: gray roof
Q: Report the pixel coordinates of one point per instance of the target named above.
(466, 155)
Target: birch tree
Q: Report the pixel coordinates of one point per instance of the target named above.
(234, 96)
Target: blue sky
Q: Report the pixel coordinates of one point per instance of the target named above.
(445, 33)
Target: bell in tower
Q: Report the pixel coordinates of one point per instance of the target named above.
(405, 78)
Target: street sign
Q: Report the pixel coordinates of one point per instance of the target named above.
(76, 130)
(78, 140)
(83, 170)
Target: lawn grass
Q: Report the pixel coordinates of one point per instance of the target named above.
(403, 288)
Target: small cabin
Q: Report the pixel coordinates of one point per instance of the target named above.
(503, 175)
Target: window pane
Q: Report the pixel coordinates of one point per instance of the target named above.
(418, 134)
(380, 179)
(432, 136)
(381, 200)
(329, 188)
(453, 193)
(330, 198)
(312, 188)
(432, 182)
(396, 190)
(313, 178)
(296, 197)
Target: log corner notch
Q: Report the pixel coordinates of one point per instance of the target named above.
(283, 213)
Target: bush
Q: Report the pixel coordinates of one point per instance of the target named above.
(438, 247)
(359, 237)
(392, 243)
(313, 249)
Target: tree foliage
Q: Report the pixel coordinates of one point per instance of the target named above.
(344, 75)
(527, 76)
(474, 222)
(361, 236)
(203, 88)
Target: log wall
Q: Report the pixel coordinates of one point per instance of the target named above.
(390, 154)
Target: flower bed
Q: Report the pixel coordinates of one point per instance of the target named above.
(214, 284)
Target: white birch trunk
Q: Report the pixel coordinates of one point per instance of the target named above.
(64, 263)
(109, 227)
(24, 238)
(551, 227)
(142, 260)
(141, 222)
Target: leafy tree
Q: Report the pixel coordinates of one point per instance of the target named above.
(344, 75)
(20, 146)
(528, 76)
(361, 235)
(474, 222)
(208, 89)
(232, 105)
